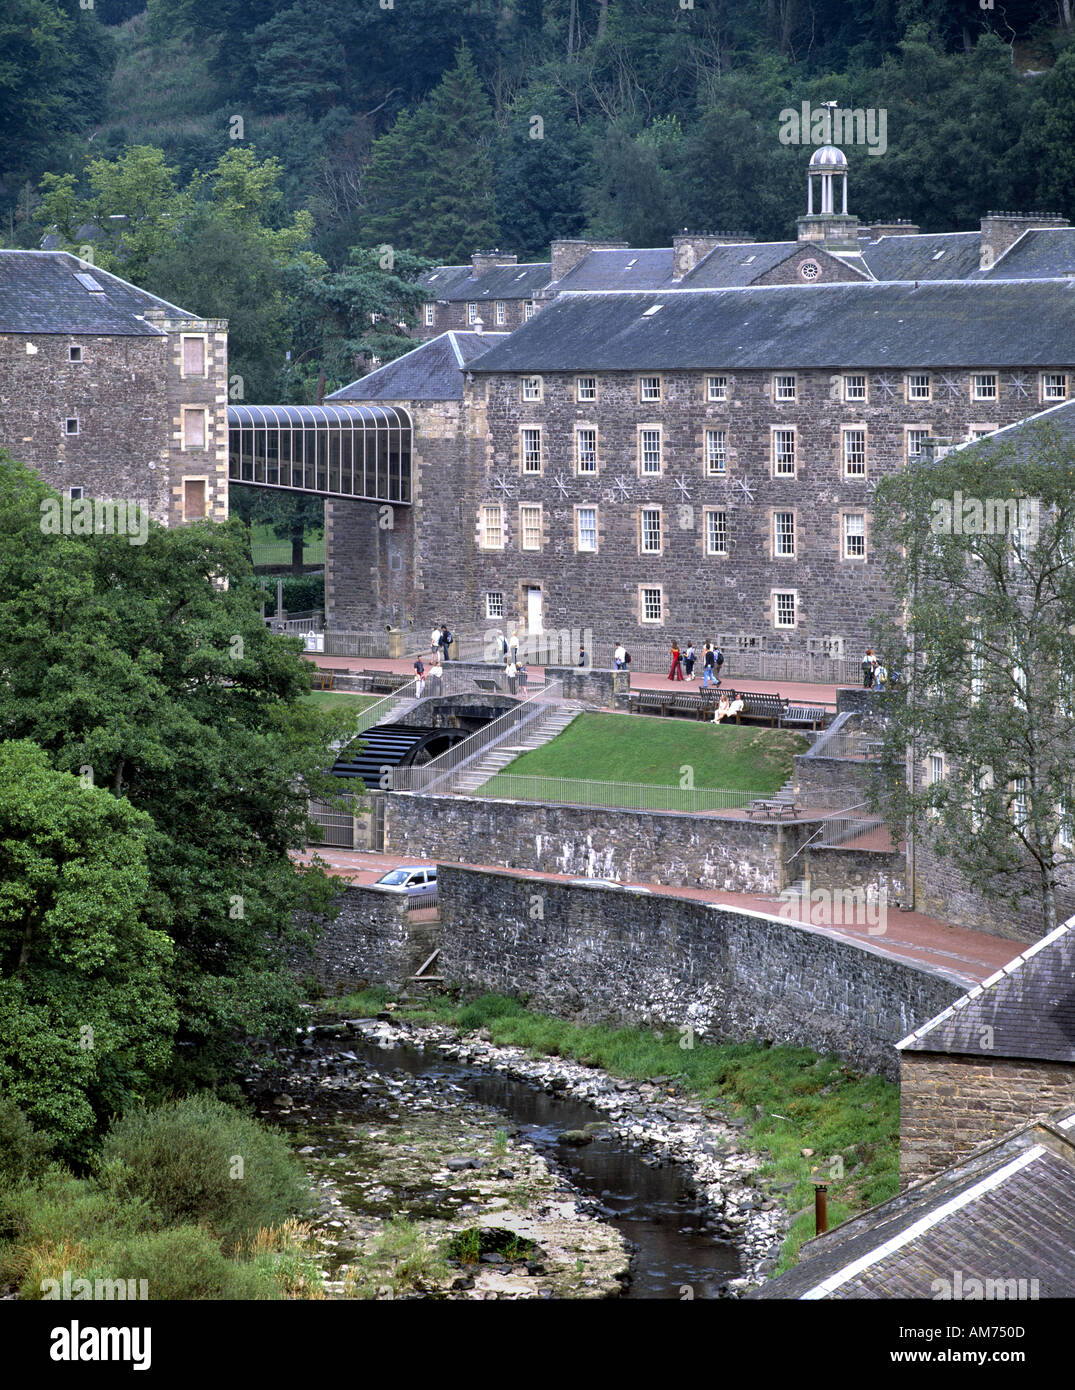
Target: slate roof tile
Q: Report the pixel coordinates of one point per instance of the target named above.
(40, 293)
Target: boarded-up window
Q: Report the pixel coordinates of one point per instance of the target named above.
(193, 499)
(194, 429)
(193, 356)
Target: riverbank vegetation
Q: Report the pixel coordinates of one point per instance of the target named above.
(191, 1200)
(810, 1116)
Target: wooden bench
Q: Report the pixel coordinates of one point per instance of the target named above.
(775, 806)
(383, 682)
(804, 714)
(651, 700)
(758, 706)
(323, 677)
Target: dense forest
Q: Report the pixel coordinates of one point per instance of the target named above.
(289, 165)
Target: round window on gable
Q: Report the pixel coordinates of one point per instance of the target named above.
(809, 270)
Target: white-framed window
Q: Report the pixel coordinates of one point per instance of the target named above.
(531, 448)
(716, 532)
(980, 431)
(984, 386)
(783, 533)
(1054, 386)
(494, 604)
(649, 388)
(716, 388)
(936, 768)
(1020, 804)
(784, 606)
(854, 441)
(586, 388)
(916, 442)
(194, 498)
(70, 425)
(531, 388)
(74, 353)
(1065, 832)
(530, 527)
(529, 310)
(76, 493)
(784, 388)
(430, 313)
(501, 312)
(472, 313)
(650, 603)
(919, 386)
(855, 388)
(586, 528)
(649, 449)
(492, 531)
(195, 427)
(716, 452)
(1019, 681)
(649, 530)
(979, 792)
(854, 536)
(194, 354)
(586, 449)
(976, 662)
(784, 453)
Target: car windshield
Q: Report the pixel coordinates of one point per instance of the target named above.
(396, 876)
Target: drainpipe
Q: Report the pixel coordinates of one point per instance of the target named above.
(821, 1206)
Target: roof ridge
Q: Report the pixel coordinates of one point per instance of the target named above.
(1005, 972)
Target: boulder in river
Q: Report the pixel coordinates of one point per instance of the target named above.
(576, 1138)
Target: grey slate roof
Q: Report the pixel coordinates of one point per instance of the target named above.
(970, 323)
(943, 256)
(1025, 1010)
(39, 293)
(1036, 256)
(454, 283)
(727, 266)
(433, 371)
(1004, 1212)
(623, 268)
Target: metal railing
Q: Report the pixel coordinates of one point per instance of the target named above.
(637, 796)
(429, 898)
(441, 774)
(337, 826)
(297, 623)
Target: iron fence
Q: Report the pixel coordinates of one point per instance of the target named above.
(577, 791)
(337, 826)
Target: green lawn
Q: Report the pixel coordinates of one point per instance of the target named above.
(268, 549)
(651, 751)
(341, 699)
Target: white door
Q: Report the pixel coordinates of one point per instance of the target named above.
(533, 610)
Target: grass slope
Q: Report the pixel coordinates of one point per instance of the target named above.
(340, 699)
(655, 752)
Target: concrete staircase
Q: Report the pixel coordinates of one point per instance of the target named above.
(480, 771)
(400, 710)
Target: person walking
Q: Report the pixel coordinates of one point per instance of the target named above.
(676, 673)
(690, 656)
(436, 677)
(434, 641)
(512, 673)
(446, 640)
(868, 667)
(513, 646)
(618, 656)
(419, 678)
(718, 662)
(707, 664)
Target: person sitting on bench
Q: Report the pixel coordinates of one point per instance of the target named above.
(731, 711)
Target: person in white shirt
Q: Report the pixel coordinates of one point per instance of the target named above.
(434, 641)
(511, 671)
(618, 656)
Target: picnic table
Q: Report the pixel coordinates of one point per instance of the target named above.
(773, 806)
(871, 747)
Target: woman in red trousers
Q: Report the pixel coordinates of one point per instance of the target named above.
(676, 673)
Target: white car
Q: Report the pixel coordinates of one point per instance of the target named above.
(411, 879)
(608, 883)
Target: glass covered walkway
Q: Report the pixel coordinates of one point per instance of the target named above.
(338, 451)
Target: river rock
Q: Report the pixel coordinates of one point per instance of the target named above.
(577, 1138)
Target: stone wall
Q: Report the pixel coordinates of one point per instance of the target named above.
(371, 941)
(951, 1104)
(620, 956)
(737, 856)
(941, 889)
(603, 689)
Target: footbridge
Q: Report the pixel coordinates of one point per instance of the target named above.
(360, 451)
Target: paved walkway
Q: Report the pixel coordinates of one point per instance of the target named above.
(798, 692)
(971, 956)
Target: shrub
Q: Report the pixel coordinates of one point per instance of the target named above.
(181, 1263)
(199, 1160)
(485, 1008)
(23, 1150)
